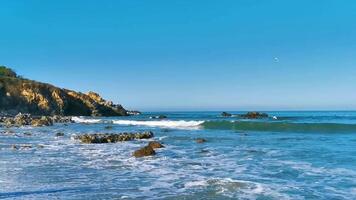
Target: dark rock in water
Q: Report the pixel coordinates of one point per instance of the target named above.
(254, 115)
(27, 134)
(59, 134)
(20, 147)
(108, 127)
(200, 140)
(43, 121)
(166, 130)
(112, 138)
(133, 112)
(155, 145)
(145, 151)
(225, 114)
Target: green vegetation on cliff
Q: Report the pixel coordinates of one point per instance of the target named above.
(27, 96)
(4, 71)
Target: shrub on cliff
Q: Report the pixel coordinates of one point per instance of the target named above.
(4, 71)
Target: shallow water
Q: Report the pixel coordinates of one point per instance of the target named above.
(308, 158)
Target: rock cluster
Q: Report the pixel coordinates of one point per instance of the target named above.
(144, 151)
(148, 150)
(26, 119)
(112, 138)
(254, 115)
(225, 114)
(155, 145)
(43, 121)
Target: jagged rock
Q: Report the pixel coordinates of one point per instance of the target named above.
(225, 114)
(43, 121)
(200, 140)
(112, 138)
(145, 151)
(155, 145)
(26, 119)
(254, 115)
(19, 120)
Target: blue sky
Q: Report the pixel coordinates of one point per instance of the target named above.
(189, 55)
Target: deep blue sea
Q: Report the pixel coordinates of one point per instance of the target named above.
(294, 155)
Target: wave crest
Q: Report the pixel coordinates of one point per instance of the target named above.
(85, 120)
(181, 124)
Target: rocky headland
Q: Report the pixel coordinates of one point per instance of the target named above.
(20, 95)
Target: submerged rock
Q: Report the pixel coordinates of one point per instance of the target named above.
(59, 134)
(254, 115)
(200, 140)
(20, 147)
(155, 145)
(113, 138)
(108, 127)
(145, 151)
(225, 114)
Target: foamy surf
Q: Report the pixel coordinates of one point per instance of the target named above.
(181, 124)
(85, 120)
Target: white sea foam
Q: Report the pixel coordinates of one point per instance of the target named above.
(84, 120)
(181, 124)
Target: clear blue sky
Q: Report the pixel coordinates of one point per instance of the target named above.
(189, 55)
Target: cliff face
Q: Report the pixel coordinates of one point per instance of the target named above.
(26, 96)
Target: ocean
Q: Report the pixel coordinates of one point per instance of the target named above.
(290, 155)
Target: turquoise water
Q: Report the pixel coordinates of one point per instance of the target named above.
(299, 155)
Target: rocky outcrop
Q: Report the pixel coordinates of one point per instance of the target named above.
(145, 151)
(155, 145)
(226, 114)
(200, 140)
(254, 115)
(18, 120)
(27, 96)
(112, 138)
(26, 119)
(43, 121)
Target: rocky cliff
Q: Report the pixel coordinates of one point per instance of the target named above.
(27, 96)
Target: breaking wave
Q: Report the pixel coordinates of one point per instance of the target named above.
(85, 120)
(180, 124)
